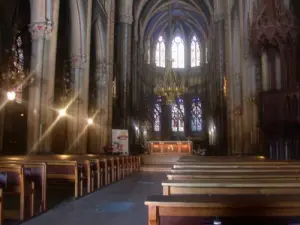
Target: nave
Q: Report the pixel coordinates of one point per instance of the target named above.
(120, 203)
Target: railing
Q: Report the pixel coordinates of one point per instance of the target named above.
(279, 106)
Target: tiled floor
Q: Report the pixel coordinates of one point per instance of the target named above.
(121, 203)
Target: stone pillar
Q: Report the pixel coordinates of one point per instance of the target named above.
(265, 69)
(228, 70)
(278, 71)
(107, 117)
(79, 58)
(41, 30)
(220, 74)
(50, 65)
(136, 62)
(123, 74)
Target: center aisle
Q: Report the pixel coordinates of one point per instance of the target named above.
(121, 203)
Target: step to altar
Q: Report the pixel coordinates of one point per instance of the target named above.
(156, 168)
(159, 162)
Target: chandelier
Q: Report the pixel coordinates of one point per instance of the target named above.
(170, 86)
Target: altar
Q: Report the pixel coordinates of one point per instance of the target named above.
(170, 147)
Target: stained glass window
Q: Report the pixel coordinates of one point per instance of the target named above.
(196, 123)
(195, 52)
(157, 116)
(178, 116)
(177, 53)
(206, 55)
(17, 67)
(160, 54)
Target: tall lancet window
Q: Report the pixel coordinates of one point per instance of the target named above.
(157, 115)
(160, 55)
(178, 116)
(195, 52)
(177, 52)
(148, 52)
(17, 64)
(196, 123)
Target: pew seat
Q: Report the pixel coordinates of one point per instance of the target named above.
(224, 163)
(61, 168)
(221, 158)
(13, 182)
(240, 166)
(183, 207)
(234, 170)
(243, 176)
(228, 187)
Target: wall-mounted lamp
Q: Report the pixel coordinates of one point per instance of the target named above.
(11, 95)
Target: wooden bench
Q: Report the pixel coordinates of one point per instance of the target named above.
(228, 187)
(234, 164)
(236, 167)
(1, 206)
(35, 172)
(13, 182)
(61, 168)
(234, 170)
(167, 210)
(220, 158)
(241, 175)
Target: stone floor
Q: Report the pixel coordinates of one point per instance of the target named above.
(121, 203)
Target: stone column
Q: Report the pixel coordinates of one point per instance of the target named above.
(220, 74)
(80, 54)
(41, 30)
(228, 70)
(265, 69)
(278, 71)
(124, 30)
(50, 65)
(97, 132)
(107, 117)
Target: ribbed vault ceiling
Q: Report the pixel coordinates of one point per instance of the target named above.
(188, 16)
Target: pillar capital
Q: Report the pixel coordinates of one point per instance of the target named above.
(78, 61)
(41, 30)
(101, 74)
(123, 18)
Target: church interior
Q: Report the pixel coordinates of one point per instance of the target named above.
(151, 112)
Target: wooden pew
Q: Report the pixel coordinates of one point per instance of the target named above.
(234, 170)
(13, 182)
(36, 172)
(222, 167)
(163, 208)
(241, 175)
(221, 158)
(1, 206)
(60, 168)
(228, 187)
(239, 163)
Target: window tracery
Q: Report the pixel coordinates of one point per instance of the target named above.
(17, 67)
(148, 52)
(178, 116)
(196, 116)
(160, 53)
(157, 116)
(177, 52)
(195, 52)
